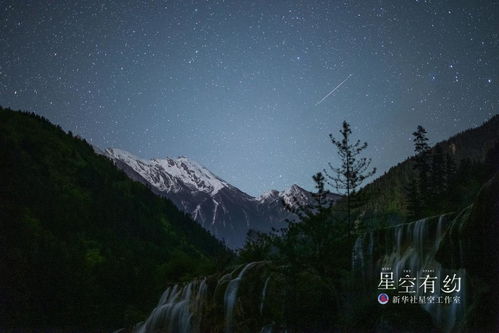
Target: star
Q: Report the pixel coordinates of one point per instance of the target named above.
(224, 81)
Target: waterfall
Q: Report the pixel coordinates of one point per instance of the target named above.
(230, 296)
(413, 247)
(182, 307)
(264, 292)
(178, 310)
(362, 263)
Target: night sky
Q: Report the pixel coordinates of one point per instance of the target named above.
(235, 85)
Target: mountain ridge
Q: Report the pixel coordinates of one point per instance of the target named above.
(78, 239)
(473, 144)
(221, 208)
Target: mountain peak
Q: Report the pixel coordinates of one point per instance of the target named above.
(269, 195)
(171, 175)
(296, 194)
(218, 206)
(119, 153)
(295, 189)
(289, 195)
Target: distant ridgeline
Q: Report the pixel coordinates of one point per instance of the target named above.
(468, 150)
(315, 278)
(81, 245)
(290, 293)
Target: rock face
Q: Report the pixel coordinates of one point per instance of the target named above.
(219, 207)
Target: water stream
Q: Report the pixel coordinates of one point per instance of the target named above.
(402, 249)
(409, 250)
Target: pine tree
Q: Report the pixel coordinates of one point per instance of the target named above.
(422, 165)
(322, 202)
(322, 199)
(353, 170)
(313, 230)
(420, 140)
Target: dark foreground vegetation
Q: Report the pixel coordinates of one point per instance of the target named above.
(81, 245)
(458, 177)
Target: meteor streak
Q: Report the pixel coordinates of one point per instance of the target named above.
(332, 91)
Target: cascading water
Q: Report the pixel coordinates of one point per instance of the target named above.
(411, 248)
(178, 310)
(230, 296)
(362, 253)
(264, 293)
(181, 308)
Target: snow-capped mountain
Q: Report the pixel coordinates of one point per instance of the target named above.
(290, 196)
(171, 175)
(221, 208)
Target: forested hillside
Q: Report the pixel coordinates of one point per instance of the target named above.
(468, 150)
(321, 275)
(81, 245)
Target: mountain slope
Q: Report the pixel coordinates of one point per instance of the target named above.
(219, 207)
(81, 245)
(387, 193)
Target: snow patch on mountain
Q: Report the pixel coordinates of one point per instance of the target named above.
(268, 196)
(171, 175)
(291, 196)
(219, 207)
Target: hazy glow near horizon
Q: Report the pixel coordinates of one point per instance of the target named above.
(235, 85)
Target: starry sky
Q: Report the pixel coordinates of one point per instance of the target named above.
(235, 85)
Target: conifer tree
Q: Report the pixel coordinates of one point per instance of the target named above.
(322, 201)
(322, 198)
(353, 170)
(422, 150)
(417, 190)
(422, 165)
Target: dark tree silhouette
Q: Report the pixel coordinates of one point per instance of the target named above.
(420, 140)
(353, 170)
(322, 197)
(322, 201)
(422, 166)
(418, 191)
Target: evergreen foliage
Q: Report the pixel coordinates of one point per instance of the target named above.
(353, 170)
(81, 245)
(388, 194)
(315, 253)
(438, 186)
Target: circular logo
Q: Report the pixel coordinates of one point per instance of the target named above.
(383, 298)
